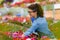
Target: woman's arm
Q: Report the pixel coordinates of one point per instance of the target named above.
(31, 29)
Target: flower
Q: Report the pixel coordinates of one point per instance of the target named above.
(43, 37)
(14, 35)
(32, 38)
(15, 18)
(28, 39)
(28, 19)
(29, 1)
(21, 19)
(7, 33)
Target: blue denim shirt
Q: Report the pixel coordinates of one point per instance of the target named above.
(40, 24)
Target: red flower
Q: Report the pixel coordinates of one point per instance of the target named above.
(27, 19)
(15, 39)
(29, 1)
(18, 3)
(7, 33)
(15, 19)
(21, 19)
(20, 32)
(12, 5)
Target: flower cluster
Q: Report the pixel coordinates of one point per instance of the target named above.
(18, 36)
(24, 23)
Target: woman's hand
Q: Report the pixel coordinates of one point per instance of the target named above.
(23, 35)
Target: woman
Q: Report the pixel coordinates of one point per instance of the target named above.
(40, 24)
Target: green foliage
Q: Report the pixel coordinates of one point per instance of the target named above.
(1, 2)
(5, 27)
(4, 37)
(55, 28)
(23, 26)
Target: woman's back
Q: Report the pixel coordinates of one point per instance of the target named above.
(42, 25)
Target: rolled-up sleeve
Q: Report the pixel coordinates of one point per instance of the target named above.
(31, 29)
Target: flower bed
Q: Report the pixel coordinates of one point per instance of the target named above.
(13, 30)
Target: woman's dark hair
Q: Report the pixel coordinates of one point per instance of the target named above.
(36, 7)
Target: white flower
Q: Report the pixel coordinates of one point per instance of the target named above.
(1, 21)
(8, 23)
(28, 39)
(24, 20)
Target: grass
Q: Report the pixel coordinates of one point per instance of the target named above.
(55, 28)
(8, 28)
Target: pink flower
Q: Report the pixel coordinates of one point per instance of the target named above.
(14, 35)
(33, 39)
(43, 37)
